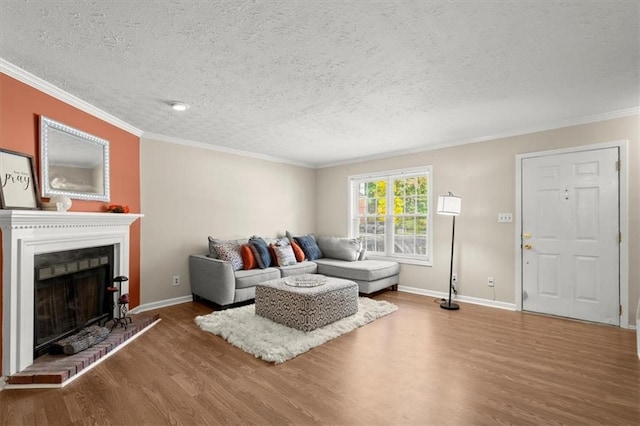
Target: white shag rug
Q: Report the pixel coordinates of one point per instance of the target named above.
(278, 343)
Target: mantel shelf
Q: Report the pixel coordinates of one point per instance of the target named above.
(25, 219)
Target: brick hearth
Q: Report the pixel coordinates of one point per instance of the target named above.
(57, 369)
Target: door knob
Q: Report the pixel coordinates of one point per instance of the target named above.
(527, 246)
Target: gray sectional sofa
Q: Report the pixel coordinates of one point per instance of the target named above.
(216, 280)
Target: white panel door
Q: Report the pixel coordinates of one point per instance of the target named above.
(570, 235)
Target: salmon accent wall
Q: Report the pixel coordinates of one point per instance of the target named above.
(20, 108)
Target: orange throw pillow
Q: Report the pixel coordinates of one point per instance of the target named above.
(248, 258)
(297, 251)
(274, 257)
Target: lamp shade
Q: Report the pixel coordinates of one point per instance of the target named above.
(449, 205)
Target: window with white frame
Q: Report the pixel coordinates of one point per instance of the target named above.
(390, 212)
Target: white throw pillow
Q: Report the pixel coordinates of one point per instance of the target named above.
(285, 255)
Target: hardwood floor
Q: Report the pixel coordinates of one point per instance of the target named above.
(420, 365)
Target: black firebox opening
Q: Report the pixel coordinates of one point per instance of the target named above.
(70, 293)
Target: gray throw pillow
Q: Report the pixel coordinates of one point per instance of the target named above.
(214, 242)
(340, 248)
(289, 236)
(363, 254)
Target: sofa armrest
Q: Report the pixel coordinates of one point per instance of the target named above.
(212, 279)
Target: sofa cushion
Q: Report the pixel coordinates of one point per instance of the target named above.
(366, 270)
(309, 246)
(248, 258)
(284, 255)
(230, 252)
(250, 278)
(261, 251)
(299, 268)
(340, 248)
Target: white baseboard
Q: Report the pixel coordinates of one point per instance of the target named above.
(161, 304)
(466, 299)
(406, 289)
(475, 300)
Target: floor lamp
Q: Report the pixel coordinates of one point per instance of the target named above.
(450, 205)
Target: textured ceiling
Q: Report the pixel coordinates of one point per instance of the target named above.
(323, 82)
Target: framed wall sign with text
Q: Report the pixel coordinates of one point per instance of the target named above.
(18, 185)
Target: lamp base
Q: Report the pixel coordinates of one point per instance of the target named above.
(449, 305)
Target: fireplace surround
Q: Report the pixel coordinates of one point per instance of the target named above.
(27, 233)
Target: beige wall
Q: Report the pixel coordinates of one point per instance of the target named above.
(190, 193)
(483, 174)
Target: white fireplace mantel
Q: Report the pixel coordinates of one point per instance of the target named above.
(27, 233)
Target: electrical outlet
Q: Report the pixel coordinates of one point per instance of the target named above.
(454, 278)
(176, 280)
(505, 217)
(490, 281)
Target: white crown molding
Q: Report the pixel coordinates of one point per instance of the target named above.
(557, 125)
(37, 83)
(218, 148)
(48, 88)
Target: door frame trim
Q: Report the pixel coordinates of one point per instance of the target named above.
(623, 189)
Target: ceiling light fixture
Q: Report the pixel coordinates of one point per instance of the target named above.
(179, 106)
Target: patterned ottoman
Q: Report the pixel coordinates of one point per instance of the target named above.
(291, 302)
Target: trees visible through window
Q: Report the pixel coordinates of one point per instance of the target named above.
(390, 213)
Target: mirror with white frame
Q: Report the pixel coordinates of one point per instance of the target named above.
(72, 162)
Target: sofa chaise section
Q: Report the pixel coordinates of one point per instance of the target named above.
(370, 275)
